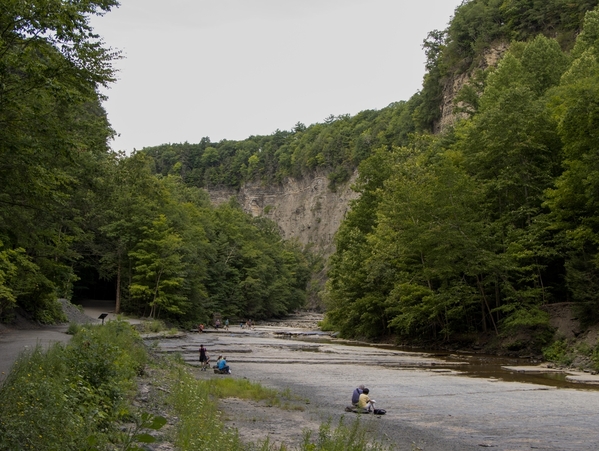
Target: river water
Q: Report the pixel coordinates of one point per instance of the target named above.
(491, 367)
(434, 402)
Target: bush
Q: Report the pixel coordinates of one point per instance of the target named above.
(558, 352)
(595, 357)
(68, 397)
(73, 328)
(153, 326)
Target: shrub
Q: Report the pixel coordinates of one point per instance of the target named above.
(68, 397)
(595, 357)
(73, 328)
(558, 352)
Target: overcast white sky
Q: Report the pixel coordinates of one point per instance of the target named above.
(229, 69)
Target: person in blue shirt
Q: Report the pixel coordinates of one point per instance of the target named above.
(222, 365)
(356, 395)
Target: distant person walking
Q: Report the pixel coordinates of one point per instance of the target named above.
(204, 359)
(227, 324)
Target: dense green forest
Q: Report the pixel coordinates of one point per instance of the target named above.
(479, 228)
(75, 216)
(472, 230)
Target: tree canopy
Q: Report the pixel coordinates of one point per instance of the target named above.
(478, 229)
(74, 215)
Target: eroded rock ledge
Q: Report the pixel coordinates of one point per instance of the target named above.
(304, 208)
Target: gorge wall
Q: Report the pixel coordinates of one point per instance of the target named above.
(304, 208)
(453, 85)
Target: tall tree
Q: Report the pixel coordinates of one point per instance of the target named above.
(157, 269)
(574, 201)
(51, 65)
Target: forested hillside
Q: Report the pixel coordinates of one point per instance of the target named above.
(479, 228)
(340, 143)
(472, 230)
(77, 219)
(475, 229)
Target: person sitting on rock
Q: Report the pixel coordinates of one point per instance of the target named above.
(223, 367)
(365, 403)
(220, 357)
(356, 395)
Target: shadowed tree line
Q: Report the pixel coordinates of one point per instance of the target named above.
(71, 208)
(480, 228)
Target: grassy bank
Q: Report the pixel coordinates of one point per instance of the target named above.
(105, 391)
(75, 396)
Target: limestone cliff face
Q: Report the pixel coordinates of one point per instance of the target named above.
(304, 208)
(453, 86)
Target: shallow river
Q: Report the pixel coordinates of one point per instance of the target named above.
(433, 401)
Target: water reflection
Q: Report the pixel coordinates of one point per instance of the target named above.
(476, 365)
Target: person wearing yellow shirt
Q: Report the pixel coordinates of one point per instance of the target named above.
(365, 403)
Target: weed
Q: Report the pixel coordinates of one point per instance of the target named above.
(352, 437)
(71, 397)
(73, 328)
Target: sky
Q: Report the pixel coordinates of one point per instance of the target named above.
(230, 69)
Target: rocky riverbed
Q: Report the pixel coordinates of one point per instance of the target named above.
(433, 402)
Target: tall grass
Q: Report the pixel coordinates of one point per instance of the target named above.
(71, 397)
(345, 437)
(194, 403)
(199, 425)
(242, 388)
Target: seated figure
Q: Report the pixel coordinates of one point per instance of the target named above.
(365, 403)
(223, 367)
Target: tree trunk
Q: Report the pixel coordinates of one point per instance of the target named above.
(485, 302)
(117, 307)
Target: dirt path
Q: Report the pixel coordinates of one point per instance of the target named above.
(24, 335)
(14, 341)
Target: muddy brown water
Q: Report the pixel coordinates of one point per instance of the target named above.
(474, 365)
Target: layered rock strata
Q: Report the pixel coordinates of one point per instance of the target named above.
(304, 208)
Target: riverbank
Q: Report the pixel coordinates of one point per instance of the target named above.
(432, 402)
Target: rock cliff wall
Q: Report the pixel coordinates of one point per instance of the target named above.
(304, 208)
(453, 86)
